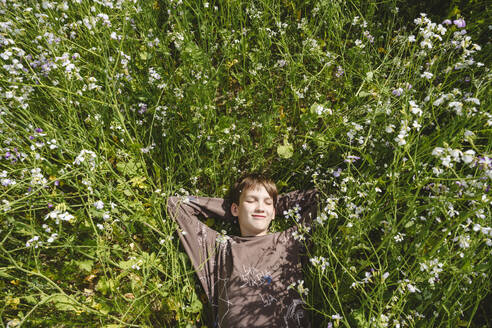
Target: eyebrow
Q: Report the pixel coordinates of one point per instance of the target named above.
(255, 197)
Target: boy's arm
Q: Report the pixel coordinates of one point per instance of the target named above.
(211, 207)
(197, 238)
(303, 205)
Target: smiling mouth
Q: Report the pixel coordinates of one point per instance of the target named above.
(259, 216)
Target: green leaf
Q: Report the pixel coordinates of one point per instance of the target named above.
(138, 182)
(64, 303)
(105, 285)
(30, 299)
(4, 274)
(104, 308)
(85, 265)
(281, 184)
(286, 150)
(320, 139)
(358, 316)
(363, 94)
(482, 267)
(144, 55)
(409, 224)
(195, 306)
(314, 108)
(129, 168)
(210, 222)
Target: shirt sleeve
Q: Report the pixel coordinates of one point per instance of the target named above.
(303, 204)
(199, 241)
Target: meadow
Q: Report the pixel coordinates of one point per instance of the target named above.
(107, 107)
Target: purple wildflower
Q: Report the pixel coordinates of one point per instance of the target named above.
(460, 22)
(39, 130)
(50, 205)
(7, 154)
(351, 159)
(397, 92)
(339, 71)
(57, 183)
(447, 22)
(485, 162)
(336, 174)
(31, 138)
(143, 108)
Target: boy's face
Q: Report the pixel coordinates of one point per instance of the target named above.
(255, 211)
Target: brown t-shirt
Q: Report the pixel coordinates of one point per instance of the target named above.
(246, 279)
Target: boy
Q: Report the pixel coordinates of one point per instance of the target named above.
(246, 278)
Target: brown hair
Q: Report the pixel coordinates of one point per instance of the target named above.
(249, 181)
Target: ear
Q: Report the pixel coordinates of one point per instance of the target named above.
(234, 209)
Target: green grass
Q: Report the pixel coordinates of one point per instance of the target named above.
(181, 97)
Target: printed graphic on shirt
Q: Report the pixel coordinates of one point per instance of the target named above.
(223, 299)
(295, 314)
(268, 299)
(252, 277)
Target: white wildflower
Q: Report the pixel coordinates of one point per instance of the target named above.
(457, 106)
(6, 205)
(468, 156)
(399, 237)
(86, 154)
(427, 75)
(37, 177)
(438, 151)
(319, 262)
(476, 101)
(58, 215)
(412, 289)
(52, 238)
(34, 241)
(99, 205)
